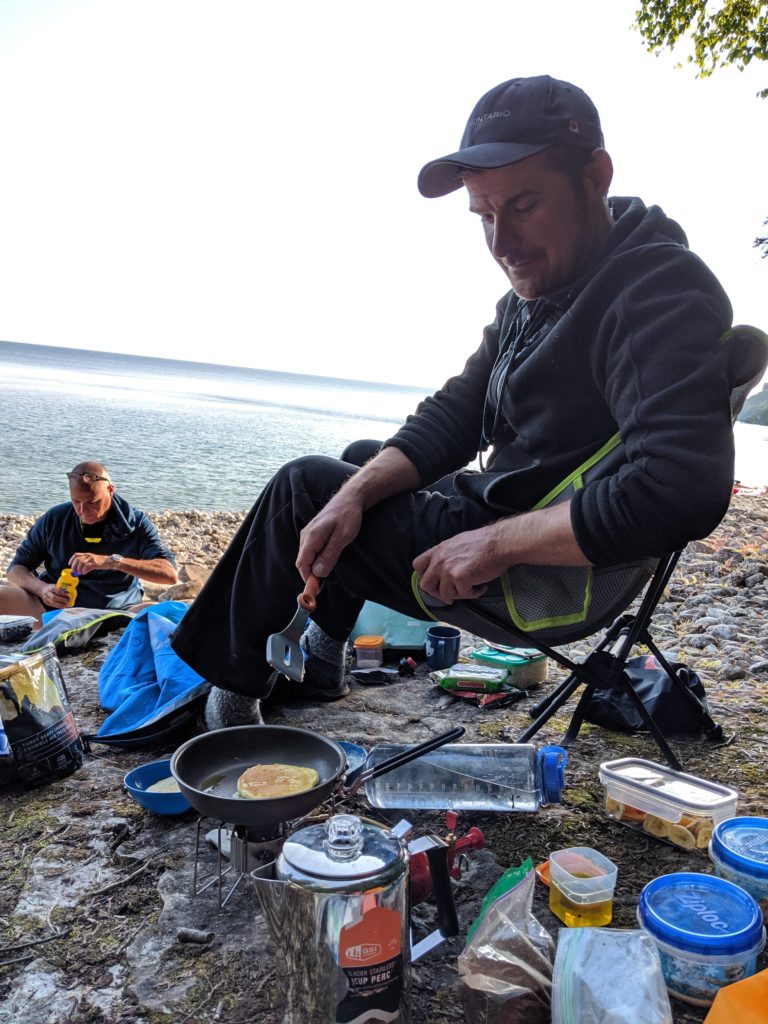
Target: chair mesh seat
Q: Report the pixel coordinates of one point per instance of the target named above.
(548, 604)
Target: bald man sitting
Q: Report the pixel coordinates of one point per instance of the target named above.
(107, 543)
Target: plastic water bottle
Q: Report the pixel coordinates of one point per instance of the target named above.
(68, 581)
(471, 777)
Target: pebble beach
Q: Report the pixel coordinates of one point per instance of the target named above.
(723, 579)
(96, 890)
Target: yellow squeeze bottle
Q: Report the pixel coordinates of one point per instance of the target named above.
(69, 583)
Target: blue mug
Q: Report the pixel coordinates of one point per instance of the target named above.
(442, 646)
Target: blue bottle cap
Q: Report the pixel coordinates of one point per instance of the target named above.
(552, 762)
(742, 843)
(700, 914)
(5, 746)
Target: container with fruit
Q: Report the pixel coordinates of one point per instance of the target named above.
(678, 808)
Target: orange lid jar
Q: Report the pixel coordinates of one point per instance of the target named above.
(369, 651)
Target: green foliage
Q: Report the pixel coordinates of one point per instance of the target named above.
(756, 408)
(761, 242)
(736, 33)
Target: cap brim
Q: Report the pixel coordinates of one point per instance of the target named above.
(439, 177)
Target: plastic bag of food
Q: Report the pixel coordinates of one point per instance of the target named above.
(505, 970)
(37, 719)
(608, 976)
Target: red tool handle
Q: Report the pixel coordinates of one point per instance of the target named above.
(308, 597)
(473, 840)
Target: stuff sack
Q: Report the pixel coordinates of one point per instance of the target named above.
(150, 692)
(673, 713)
(37, 719)
(73, 628)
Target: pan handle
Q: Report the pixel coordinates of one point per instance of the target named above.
(405, 757)
(308, 596)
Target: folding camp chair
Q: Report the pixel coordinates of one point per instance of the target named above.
(548, 606)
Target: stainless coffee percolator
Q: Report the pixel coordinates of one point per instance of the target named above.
(337, 904)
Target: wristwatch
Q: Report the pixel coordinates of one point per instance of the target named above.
(116, 558)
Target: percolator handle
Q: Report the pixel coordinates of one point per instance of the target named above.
(442, 890)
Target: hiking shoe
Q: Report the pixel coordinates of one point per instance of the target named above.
(286, 691)
(224, 710)
(313, 688)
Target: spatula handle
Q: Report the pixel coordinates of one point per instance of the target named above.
(308, 597)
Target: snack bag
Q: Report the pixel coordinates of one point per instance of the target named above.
(37, 719)
(505, 970)
(463, 676)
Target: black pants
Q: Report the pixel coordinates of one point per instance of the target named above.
(252, 591)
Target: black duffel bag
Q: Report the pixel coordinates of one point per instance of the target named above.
(671, 709)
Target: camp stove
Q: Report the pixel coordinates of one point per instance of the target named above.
(239, 851)
(207, 769)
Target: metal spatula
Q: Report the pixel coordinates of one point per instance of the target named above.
(284, 651)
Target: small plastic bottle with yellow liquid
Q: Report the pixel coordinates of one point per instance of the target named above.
(68, 581)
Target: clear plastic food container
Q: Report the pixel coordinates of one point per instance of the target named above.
(582, 883)
(739, 852)
(369, 651)
(15, 627)
(678, 808)
(708, 931)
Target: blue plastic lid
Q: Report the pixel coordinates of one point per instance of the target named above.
(552, 762)
(742, 843)
(700, 914)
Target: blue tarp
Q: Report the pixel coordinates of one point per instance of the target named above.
(143, 680)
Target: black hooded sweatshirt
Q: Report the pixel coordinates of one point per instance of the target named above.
(633, 346)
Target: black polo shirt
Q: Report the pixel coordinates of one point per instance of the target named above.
(58, 534)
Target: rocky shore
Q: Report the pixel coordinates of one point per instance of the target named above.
(94, 890)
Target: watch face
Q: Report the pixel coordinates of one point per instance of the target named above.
(116, 558)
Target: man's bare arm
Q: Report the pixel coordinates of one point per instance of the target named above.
(153, 570)
(335, 526)
(48, 593)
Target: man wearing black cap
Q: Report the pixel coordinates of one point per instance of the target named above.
(609, 336)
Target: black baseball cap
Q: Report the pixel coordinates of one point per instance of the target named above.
(511, 122)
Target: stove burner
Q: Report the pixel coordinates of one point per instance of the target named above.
(245, 848)
(236, 845)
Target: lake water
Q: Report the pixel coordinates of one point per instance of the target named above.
(174, 434)
(185, 435)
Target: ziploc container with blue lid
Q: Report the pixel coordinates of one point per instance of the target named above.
(739, 852)
(708, 931)
(679, 808)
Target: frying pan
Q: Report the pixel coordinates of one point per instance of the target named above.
(207, 768)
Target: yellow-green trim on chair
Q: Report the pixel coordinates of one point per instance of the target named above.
(419, 598)
(553, 621)
(575, 477)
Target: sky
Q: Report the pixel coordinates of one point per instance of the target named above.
(234, 181)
